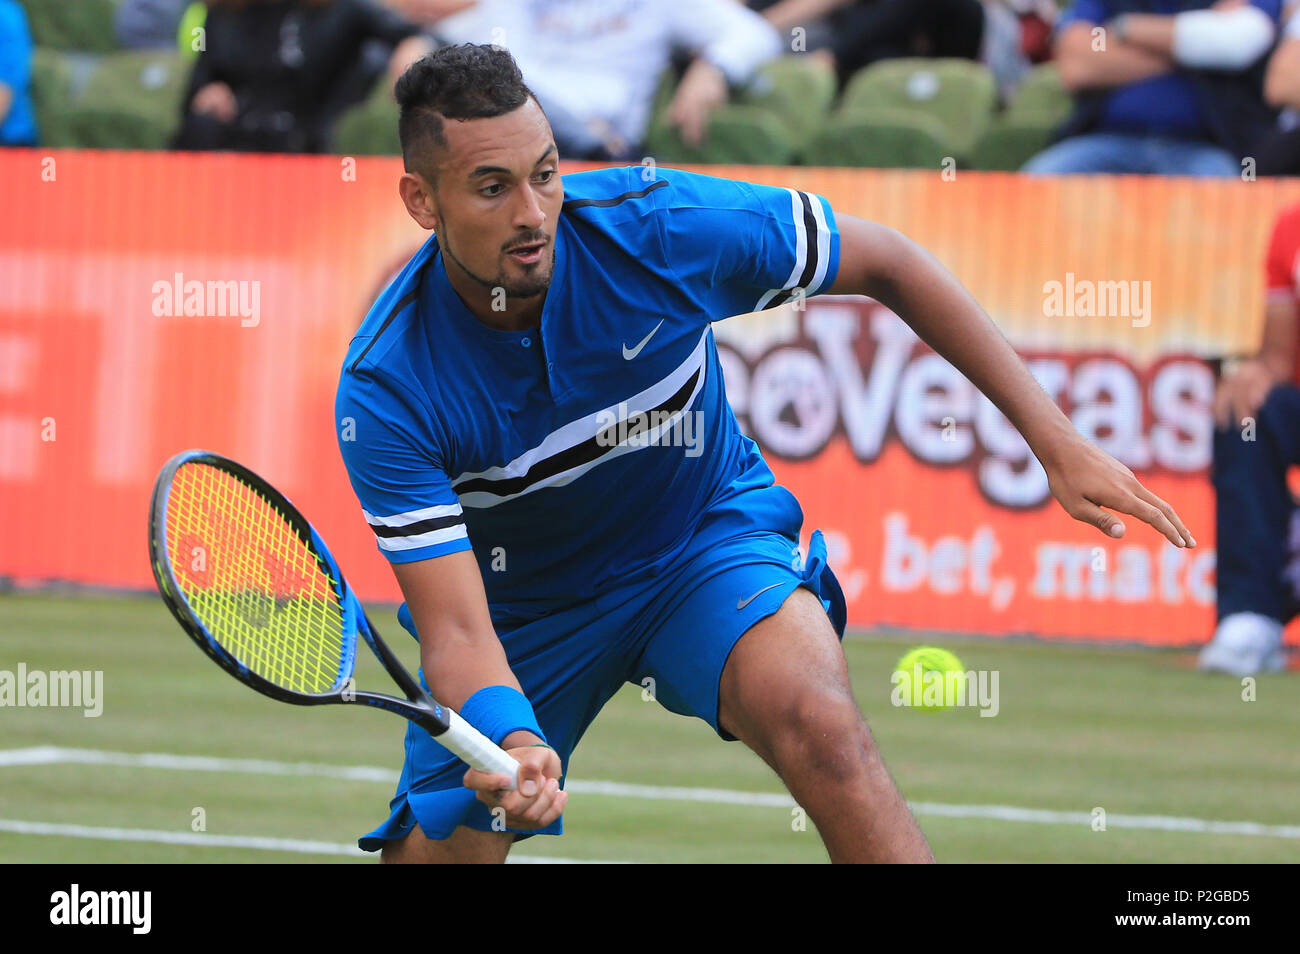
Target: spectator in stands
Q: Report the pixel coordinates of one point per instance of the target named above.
(1161, 88)
(595, 64)
(149, 24)
(1279, 154)
(276, 74)
(1257, 411)
(17, 115)
(1007, 35)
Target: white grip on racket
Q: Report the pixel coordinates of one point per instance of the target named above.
(477, 749)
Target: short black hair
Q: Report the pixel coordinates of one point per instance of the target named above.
(467, 81)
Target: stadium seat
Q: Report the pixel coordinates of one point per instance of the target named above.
(740, 134)
(1024, 129)
(882, 137)
(795, 90)
(370, 129)
(72, 24)
(1041, 95)
(1009, 144)
(663, 93)
(52, 83)
(960, 95)
(130, 101)
(116, 128)
(118, 100)
(156, 77)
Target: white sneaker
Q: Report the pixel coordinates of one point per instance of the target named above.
(1244, 644)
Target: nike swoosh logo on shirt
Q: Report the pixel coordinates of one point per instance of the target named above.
(743, 603)
(630, 353)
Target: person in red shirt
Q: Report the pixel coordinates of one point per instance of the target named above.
(1256, 441)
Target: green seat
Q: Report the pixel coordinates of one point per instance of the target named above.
(958, 94)
(663, 93)
(130, 100)
(737, 134)
(1008, 144)
(118, 128)
(156, 77)
(1040, 95)
(72, 24)
(881, 137)
(1039, 105)
(52, 81)
(797, 91)
(370, 128)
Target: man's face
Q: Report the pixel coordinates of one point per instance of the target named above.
(498, 198)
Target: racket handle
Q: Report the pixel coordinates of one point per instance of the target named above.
(477, 749)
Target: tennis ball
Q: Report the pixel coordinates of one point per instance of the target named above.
(930, 679)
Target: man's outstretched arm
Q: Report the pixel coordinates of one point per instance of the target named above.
(885, 265)
(461, 654)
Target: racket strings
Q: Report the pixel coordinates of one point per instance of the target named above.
(253, 582)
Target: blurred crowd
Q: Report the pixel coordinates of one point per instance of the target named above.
(1145, 86)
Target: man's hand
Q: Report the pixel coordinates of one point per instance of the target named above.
(404, 54)
(1084, 479)
(702, 90)
(883, 264)
(537, 801)
(216, 100)
(429, 12)
(1241, 393)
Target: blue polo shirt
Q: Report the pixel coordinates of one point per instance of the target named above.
(577, 453)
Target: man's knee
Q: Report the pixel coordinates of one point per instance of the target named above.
(820, 731)
(463, 846)
(811, 728)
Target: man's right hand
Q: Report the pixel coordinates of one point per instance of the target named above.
(1241, 393)
(216, 100)
(537, 801)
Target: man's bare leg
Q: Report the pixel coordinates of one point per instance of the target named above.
(785, 693)
(466, 846)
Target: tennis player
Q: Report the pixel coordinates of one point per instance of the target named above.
(533, 417)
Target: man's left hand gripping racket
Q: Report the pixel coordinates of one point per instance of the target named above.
(253, 584)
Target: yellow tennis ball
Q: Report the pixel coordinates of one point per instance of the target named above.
(930, 679)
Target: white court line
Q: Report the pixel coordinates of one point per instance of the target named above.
(292, 845)
(50, 755)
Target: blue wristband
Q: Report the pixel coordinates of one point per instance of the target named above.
(496, 711)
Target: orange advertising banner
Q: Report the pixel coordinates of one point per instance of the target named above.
(152, 302)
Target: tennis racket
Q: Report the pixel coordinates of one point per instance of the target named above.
(253, 584)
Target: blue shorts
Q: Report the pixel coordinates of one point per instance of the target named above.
(676, 629)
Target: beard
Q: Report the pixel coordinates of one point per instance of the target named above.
(523, 287)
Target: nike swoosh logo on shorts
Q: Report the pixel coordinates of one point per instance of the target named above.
(743, 603)
(630, 353)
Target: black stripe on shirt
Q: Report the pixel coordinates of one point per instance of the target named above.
(419, 527)
(589, 450)
(810, 261)
(618, 199)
